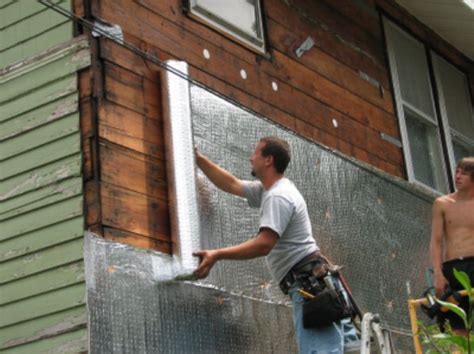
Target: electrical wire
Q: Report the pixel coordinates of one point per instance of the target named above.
(119, 41)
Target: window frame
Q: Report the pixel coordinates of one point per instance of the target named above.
(400, 104)
(230, 31)
(449, 132)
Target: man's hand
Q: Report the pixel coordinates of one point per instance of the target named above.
(207, 260)
(440, 283)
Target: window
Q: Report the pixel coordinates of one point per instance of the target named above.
(239, 19)
(432, 142)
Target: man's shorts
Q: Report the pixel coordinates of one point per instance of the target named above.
(461, 264)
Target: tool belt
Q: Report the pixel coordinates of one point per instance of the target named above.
(324, 302)
(304, 269)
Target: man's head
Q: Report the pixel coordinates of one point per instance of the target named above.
(464, 172)
(271, 152)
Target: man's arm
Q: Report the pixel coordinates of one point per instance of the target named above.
(436, 246)
(222, 178)
(256, 247)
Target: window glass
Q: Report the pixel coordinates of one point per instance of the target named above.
(453, 87)
(461, 150)
(240, 18)
(412, 70)
(425, 152)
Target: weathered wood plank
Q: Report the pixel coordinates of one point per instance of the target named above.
(284, 14)
(41, 176)
(134, 212)
(43, 304)
(40, 198)
(349, 130)
(286, 42)
(42, 238)
(133, 171)
(42, 260)
(35, 220)
(159, 243)
(228, 71)
(55, 90)
(68, 342)
(38, 117)
(313, 112)
(65, 275)
(343, 28)
(58, 149)
(43, 327)
(130, 129)
(39, 136)
(133, 91)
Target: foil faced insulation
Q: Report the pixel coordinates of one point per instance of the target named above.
(129, 312)
(375, 226)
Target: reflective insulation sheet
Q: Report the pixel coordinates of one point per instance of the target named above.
(375, 226)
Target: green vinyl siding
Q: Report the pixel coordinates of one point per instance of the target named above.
(29, 28)
(42, 287)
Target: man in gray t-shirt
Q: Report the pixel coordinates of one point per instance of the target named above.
(283, 211)
(284, 234)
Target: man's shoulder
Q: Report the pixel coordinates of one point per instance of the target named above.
(445, 199)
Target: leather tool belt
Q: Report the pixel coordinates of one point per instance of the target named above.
(303, 269)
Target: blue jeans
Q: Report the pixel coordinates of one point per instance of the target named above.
(325, 340)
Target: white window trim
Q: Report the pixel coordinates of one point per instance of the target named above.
(400, 103)
(258, 45)
(448, 131)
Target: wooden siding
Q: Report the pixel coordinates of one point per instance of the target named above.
(28, 28)
(344, 77)
(42, 288)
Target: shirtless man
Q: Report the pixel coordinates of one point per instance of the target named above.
(452, 235)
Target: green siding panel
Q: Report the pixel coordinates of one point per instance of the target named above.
(43, 238)
(38, 117)
(40, 198)
(40, 218)
(15, 10)
(36, 75)
(29, 27)
(42, 155)
(43, 304)
(45, 326)
(71, 342)
(42, 288)
(46, 281)
(42, 176)
(57, 89)
(37, 44)
(40, 136)
(45, 259)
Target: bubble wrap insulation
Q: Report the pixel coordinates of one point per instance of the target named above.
(375, 226)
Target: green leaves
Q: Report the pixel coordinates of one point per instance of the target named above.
(436, 342)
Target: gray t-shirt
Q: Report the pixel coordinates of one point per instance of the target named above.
(283, 209)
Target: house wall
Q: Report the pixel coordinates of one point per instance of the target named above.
(344, 78)
(42, 289)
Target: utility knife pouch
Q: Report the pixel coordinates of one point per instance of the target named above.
(323, 310)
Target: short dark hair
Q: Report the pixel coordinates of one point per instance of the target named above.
(467, 164)
(279, 149)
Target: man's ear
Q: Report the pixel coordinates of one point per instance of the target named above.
(269, 160)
